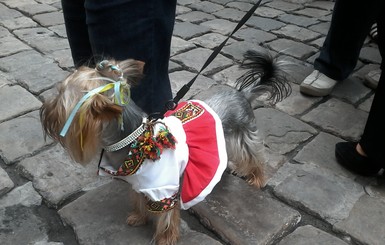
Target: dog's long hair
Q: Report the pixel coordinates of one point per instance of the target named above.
(99, 121)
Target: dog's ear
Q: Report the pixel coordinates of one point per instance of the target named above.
(103, 109)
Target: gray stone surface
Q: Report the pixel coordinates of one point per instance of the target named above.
(257, 219)
(6, 184)
(348, 124)
(307, 234)
(57, 177)
(47, 199)
(110, 205)
(11, 105)
(21, 137)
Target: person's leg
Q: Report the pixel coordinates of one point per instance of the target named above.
(350, 25)
(137, 29)
(368, 156)
(372, 140)
(77, 32)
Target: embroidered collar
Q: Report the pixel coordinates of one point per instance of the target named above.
(145, 146)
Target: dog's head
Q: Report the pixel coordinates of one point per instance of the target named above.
(87, 99)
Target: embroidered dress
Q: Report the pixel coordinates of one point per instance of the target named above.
(199, 156)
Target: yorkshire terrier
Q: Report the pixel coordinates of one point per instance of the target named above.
(172, 162)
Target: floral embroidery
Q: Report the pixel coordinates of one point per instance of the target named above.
(163, 205)
(188, 112)
(146, 146)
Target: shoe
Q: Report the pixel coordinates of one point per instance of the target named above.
(373, 33)
(348, 157)
(372, 78)
(317, 84)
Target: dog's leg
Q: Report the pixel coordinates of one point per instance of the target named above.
(139, 215)
(247, 156)
(167, 227)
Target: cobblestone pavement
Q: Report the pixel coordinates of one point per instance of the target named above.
(309, 199)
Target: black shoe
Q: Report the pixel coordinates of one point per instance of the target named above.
(348, 157)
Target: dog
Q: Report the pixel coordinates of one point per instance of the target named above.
(172, 162)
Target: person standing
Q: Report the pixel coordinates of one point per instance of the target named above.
(124, 29)
(350, 25)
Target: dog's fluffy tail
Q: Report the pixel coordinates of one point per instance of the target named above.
(265, 74)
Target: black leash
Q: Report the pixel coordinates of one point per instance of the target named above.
(172, 104)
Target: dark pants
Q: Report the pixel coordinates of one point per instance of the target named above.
(124, 29)
(350, 25)
(372, 140)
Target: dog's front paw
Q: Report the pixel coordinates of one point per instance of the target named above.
(135, 219)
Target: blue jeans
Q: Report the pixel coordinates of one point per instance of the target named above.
(125, 29)
(350, 25)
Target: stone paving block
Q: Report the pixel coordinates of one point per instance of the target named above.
(317, 191)
(307, 234)
(7, 13)
(63, 58)
(297, 33)
(59, 30)
(296, 49)
(49, 19)
(178, 45)
(181, 9)
(322, 27)
(237, 5)
(312, 12)
(18, 220)
(365, 221)
(206, 6)
(15, 101)
(37, 8)
(241, 214)
(370, 54)
(320, 152)
(31, 69)
(254, 36)
(236, 50)
(211, 40)
(18, 3)
(194, 60)
(317, 43)
(339, 118)
(230, 14)
(296, 103)
(6, 184)
(280, 132)
(229, 75)
(56, 177)
(10, 45)
(20, 22)
(195, 17)
(265, 24)
(42, 39)
(21, 137)
(180, 78)
(172, 66)
(4, 32)
(283, 5)
(221, 26)
(267, 12)
(326, 5)
(365, 106)
(99, 217)
(298, 20)
(351, 89)
(186, 30)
